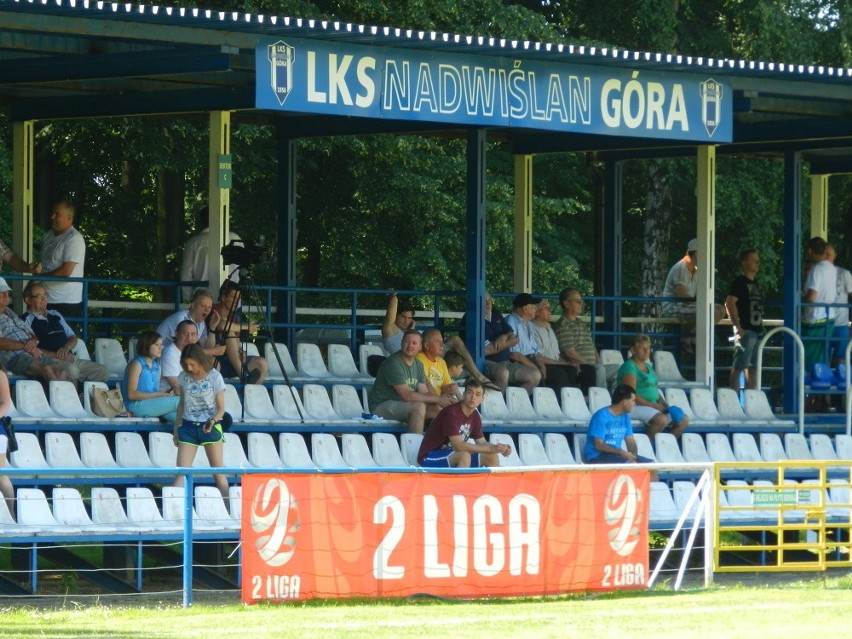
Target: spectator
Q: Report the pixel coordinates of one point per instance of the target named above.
(820, 289)
(186, 333)
(55, 337)
(610, 427)
(197, 313)
(499, 340)
(650, 406)
(6, 488)
(11, 258)
(745, 308)
(226, 323)
(575, 339)
(399, 317)
(447, 443)
(682, 282)
(455, 365)
(63, 254)
(438, 377)
(840, 333)
(194, 266)
(583, 375)
(526, 352)
(400, 391)
(201, 418)
(19, 351)
(142, 392)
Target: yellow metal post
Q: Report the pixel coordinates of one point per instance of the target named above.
(220, 195)
(523, 223)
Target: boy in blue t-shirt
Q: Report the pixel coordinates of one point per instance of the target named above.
(609, 427)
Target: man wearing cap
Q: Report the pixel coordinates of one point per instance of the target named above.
(56, 338)
(553, 373)
(19, 351)
(575, 339)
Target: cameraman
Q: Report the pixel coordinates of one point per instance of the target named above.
(225, 323)
(195, 263)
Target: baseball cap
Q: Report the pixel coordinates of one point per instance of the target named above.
(523, 299)
(692, 246)
(4, 288)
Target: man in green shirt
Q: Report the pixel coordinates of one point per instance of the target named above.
(400, 390)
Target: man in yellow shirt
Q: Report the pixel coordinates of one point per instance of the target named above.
(437, 374)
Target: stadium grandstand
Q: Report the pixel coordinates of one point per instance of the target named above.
(325, 499)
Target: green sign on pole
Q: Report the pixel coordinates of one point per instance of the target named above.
(225, 171)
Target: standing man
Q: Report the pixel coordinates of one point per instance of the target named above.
(56, 338)
(820, 289)
(840, 333)
(447, 443)
(575, 339)
(400, 390)
(609, 428)
(63, 253)
(194, 266)
(745, 308)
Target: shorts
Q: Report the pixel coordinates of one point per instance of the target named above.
(745, 351)
(18, 362)
(227, 370)
(440, 458)
(679, 310)
(192, 433)
(512, 367)
(645, 414)
(612, 458)
(398, 410)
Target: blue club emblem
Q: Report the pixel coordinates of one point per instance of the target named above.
(711, 105)
(281, 56)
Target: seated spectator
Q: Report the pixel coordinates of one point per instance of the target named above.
(198, 311)
(499, 340)
(552, 372)
(575, 339)
(56, 339)
(438, 377)
(400, 391)
(455, 365)
(19, 351)
(584, 375)
(454, 438)
(399, 317)
(650, 406)
(682, 282)
(610, 427)
(6, 488)
(225, 322)
(170, 368)
(142, 394)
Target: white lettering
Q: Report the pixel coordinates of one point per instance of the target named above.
(397, 86)
(365, 99)
(656, 101)
(449, 83)
(524, 531)
(611, 107)
(488, 510)
(313, 94)
(581, 99)
(479, 90)
(677, 109)
(388, 507)
(424, 93)
(518, 101)
(633, 93)
(275, 587)
(556, 99)
(337, 79)
(432, 568)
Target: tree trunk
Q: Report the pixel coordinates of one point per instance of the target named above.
(656, 236)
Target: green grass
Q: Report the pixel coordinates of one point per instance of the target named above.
(814, 609)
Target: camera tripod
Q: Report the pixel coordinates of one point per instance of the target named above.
(246, 290)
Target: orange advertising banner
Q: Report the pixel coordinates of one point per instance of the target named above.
(461, 535)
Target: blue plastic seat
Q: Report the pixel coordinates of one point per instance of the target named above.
(822, 376)
(840, 376)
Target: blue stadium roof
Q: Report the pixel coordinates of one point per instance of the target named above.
(70, 59)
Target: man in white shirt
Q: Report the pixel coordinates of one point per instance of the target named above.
(840, 334)
(63, 253)
(194, 267)
(820, 288)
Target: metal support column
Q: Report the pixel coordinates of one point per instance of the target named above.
(819, 206)
(706, 235)
(523, 223)
(220, 196)
(792, 273)
(475, 245)
(286, 231)
(23, 141)
(612, 253)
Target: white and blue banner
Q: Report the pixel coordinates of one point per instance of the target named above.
(308, 76)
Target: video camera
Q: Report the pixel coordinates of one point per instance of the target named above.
(243, 254)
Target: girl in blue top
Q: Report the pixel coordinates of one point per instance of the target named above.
(142, 381)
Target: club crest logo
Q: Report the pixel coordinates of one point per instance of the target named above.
(275, 519)
(622, 515)
(711, 105)
(281, 56)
